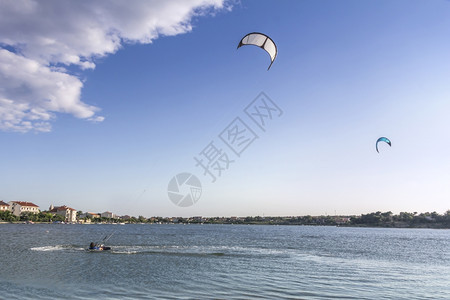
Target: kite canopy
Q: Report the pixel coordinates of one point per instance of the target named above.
(262, 41)
(383, 139)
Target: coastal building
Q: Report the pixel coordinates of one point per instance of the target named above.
(18, 207)
(342, 220)
(69, 214)
(93, 215)
(125, 218)
(84, 220)
(90, 215)
(4, 206)
(108, 214)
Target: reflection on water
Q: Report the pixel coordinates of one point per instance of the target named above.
(223, 261)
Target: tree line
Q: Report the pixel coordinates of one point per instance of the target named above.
(374, 219)
(42, 216)
(403, 219)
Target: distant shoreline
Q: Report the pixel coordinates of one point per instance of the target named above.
(418, 226)
(375, 220)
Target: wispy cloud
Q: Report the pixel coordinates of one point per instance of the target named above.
(39, 38)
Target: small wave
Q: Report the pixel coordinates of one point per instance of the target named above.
(173, 250)
(48, 248)
(176, 253)
(165, 250)
(124, 252)
(57, 248)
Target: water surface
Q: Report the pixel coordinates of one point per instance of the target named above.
(50, 261)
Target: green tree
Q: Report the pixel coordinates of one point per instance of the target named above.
(8, 216)
(47, 217)
(24, 216)
(58, 218)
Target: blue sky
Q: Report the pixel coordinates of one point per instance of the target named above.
(134, 104)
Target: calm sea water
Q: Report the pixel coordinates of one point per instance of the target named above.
(50, 261)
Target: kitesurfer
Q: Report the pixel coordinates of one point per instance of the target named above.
(93, 246)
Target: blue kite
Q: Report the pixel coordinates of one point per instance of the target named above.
(383, 139)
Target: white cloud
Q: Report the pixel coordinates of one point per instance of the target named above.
(40, 36)
(96, 119)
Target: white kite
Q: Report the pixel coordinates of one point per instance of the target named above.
(262, 41)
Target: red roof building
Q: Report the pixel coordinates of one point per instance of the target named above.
(4, 206)
(19, 207)
(69, 214)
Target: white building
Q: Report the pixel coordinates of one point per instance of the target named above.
(18, 207)
(108, 214)
(69, 214)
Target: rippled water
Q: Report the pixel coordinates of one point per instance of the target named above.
(50, 261)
